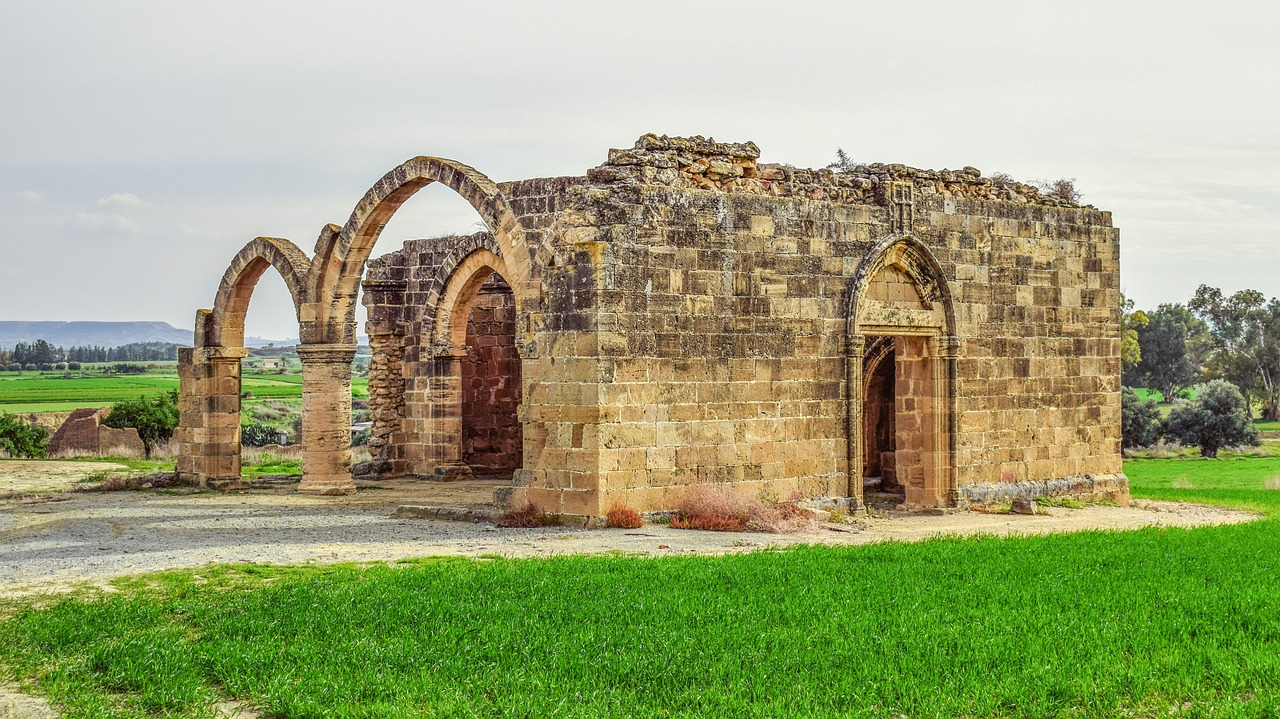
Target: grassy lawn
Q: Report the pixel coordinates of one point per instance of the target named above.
(51, 392)
(1159, 622)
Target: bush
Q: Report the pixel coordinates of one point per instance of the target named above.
(19, 439)
(1215, 419)
(31, 367)
(721, 509)
(155, 418)
(527, 515)
(1139, 420)
(623, 517)
(360, 437)
(13, 367)
(258, 435)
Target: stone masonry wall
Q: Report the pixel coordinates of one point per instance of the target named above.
(694, 315)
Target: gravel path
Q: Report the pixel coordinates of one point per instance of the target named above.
(94, 537)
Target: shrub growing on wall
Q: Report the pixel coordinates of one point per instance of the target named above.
(1215, 419)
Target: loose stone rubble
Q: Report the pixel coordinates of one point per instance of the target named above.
(685, 315)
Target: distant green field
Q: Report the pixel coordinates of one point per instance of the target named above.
(30, 392)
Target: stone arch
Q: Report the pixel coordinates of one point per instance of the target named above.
(340, 256)
(447, 378)
(209, 373)
(916, 261)
(921, 328)
(224, 325)
(448, 324)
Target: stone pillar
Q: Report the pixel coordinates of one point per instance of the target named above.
(209, 421)
(444, 425)
(386, 402)
(326, 418)
(946, 352)
(854, 351)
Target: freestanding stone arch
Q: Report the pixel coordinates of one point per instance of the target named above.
(901, 298)
(324, 290)
(209, 372)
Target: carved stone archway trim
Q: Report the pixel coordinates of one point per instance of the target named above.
(934, 325)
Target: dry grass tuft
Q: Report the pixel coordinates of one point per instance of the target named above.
(720, 509)
(527, 515)
(623, 518)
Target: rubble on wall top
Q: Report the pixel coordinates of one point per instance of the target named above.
(702, 163)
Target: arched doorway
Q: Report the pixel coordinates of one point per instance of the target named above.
(492, 444)
(901, 379)
(473, 385)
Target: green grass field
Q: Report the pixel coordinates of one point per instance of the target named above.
(51, 392)
(1158, 622)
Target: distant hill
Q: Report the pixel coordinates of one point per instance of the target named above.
(99, 334)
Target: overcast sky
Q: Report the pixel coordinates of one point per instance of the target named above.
(143, 143)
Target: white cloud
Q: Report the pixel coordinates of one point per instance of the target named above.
(125, 199)
(105, 221)
(24, 196)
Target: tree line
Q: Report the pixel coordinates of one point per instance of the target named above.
(41, 354)
(1213, 336)
(1224, 347)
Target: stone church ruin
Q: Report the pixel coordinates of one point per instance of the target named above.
(685, 315)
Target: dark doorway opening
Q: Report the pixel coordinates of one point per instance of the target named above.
(880, 477)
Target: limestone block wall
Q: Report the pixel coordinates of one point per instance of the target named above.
(701, 317)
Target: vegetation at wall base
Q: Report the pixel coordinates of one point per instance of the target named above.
(1158, 622)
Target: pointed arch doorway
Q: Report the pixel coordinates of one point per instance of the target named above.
(901, 379)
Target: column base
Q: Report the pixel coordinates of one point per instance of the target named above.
(327, 487)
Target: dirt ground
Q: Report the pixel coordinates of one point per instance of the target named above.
(33, 476)
(90, 538)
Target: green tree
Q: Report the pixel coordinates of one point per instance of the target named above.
(19, 439)
(155, 418)
(1245, 329)
(1215, 419)
(1175, 345)
(1139, 420)
(1131, 321)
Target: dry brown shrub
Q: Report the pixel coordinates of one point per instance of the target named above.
(781, 518)
(623, 518)
(712, 508)
(720, 509)
(526, 515)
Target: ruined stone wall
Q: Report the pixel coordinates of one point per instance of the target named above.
(723, 303)
(693, 327)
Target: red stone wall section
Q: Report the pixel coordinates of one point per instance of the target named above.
(491, 433)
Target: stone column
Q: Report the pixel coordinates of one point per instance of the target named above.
(946, 351)
(854, 351)
(209, 421)
(386, 402)
(444, 426)
(326, 418)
